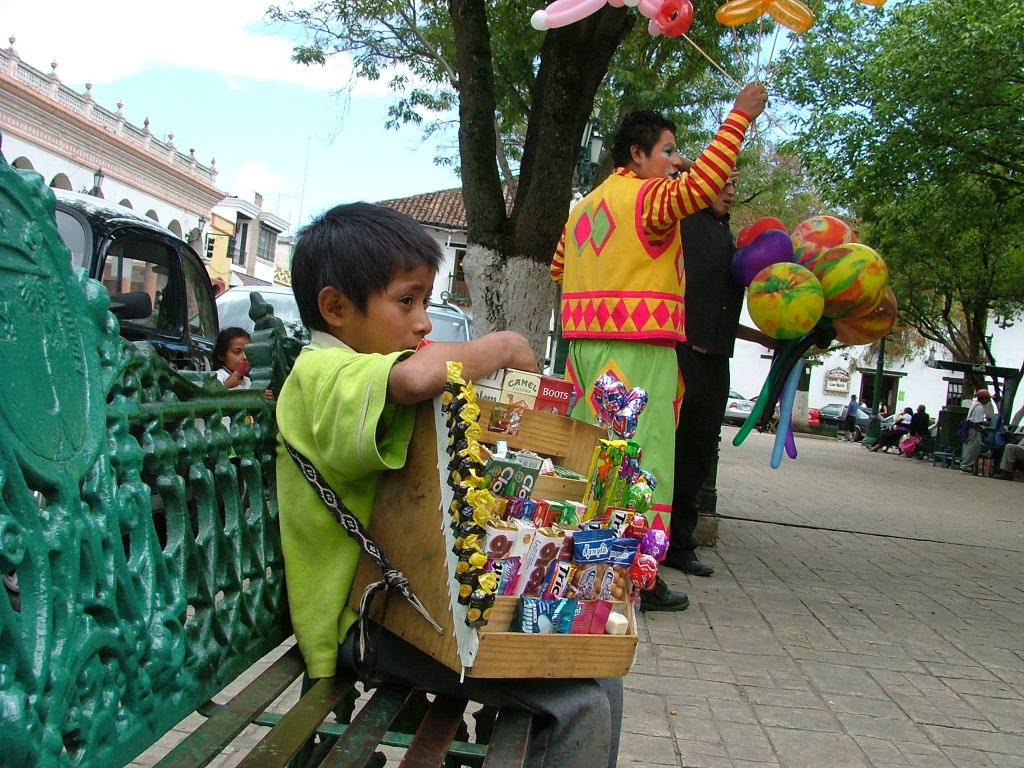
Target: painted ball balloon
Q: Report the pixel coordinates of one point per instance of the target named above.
(751, 231)
(785, 300)
(817, 234)
(770, 247)
(853, 277)
(870, 327)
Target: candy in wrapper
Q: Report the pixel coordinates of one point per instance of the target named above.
(654, 543)
(508, 538)
(467, 583)
(623, 551)
(547, 542)
(559, 578)
(591, 617)
(537, 616)
(507, 571)
(479, 611)
(603, 587)
(644, 571)
(592, 546)
(638, 526)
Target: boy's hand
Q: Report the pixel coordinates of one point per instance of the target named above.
(752, 99)
(520, 352)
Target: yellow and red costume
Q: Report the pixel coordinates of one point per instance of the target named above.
(620, 264)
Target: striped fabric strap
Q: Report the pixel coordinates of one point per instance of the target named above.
(393, 578)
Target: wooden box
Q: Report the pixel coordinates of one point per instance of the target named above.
(410, 523)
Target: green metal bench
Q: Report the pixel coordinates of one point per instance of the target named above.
(140, 552)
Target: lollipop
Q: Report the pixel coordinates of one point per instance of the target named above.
(655, 544)
(644, 571)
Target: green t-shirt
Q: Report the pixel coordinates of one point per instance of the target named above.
(333, 409)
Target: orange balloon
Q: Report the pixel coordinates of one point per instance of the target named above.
(875, 3)
(736, 12)
(792, 14)
(870, 327)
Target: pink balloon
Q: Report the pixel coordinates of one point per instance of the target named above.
(562, 12)
(649, 8)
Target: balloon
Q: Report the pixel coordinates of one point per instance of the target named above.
(853, 278)
(785, 300)
(876, 3)
(870, 327)
(784, 430)
(736, 12)
(817, 234)
(770, 247)
(649, 8)
(749, 232)
(675, 17)
(618, 409)
(792, 14)
(562, 12)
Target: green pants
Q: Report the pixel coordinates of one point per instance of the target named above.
(654, 368)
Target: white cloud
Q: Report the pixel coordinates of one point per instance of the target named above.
(106, 40)
(254, 176)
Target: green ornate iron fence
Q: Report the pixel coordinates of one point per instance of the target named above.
(138, 519)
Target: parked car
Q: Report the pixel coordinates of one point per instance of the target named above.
(159, 289)
(835, 413)
(737, 409)
(449, 322)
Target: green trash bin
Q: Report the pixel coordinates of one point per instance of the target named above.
(950, 418)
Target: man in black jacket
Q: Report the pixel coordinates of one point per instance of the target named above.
(713, 303)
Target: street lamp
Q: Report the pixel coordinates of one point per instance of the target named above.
(587, 161)
(590, 156)
(875, 422)
(97, 183)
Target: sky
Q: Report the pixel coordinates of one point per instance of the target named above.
(218, 75)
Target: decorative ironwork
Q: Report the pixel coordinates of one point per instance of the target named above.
(138, 518)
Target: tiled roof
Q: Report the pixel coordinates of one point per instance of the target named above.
(437, 209)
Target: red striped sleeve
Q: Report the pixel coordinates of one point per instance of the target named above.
(558, 261)
(666, 201)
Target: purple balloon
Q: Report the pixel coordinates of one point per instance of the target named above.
(770, 247)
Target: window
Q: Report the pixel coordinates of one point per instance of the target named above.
(459, 289)
(72, 231)
(236, 244)
(200, 309)
(267, 243)
(954, 391)
(137, 266)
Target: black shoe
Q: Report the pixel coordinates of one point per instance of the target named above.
(1002, 475)
(661, 598)
(686, 560)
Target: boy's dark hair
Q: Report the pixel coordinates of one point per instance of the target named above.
(642, 128)
(224, 339)
(356, 248)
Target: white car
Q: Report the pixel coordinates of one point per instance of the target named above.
(449, 322)
(737, 409)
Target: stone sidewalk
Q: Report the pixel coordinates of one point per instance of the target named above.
(866, 610)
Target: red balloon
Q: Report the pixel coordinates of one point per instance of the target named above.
(751, 231)
(675, 17)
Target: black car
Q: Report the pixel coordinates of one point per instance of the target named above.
(159, 289)
(835, 413)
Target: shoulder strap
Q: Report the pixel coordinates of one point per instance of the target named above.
(393, 578)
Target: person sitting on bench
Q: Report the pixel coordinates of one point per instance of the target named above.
(362, 275)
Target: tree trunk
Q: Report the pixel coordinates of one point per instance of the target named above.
(509, 250)
(510, 293)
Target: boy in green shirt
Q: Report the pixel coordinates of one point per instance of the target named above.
(362, 276)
